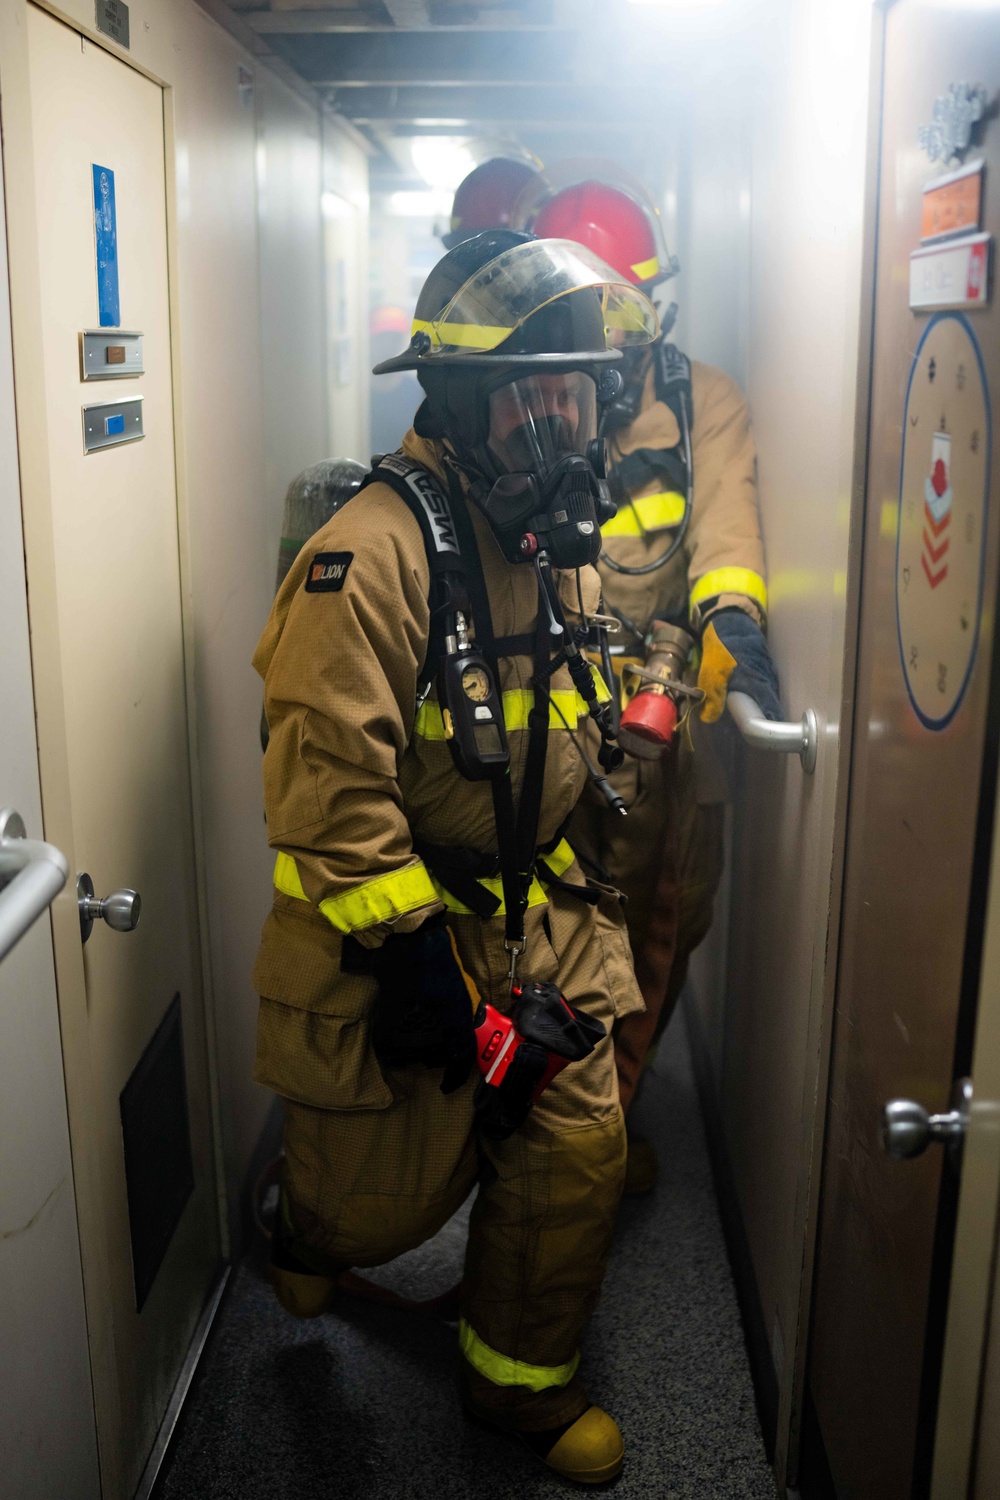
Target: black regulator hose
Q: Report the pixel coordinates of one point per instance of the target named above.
(681, 532)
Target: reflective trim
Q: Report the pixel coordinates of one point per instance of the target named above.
(493, 884)
(730, 581)
(500, 1369)
(377, 900)
(646, 513)
(558, 862)
(647, 269)
(461, 335)
(561, 858)
(517, 705)
(287, 879)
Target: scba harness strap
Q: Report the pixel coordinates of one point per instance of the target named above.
(458, 583)
(432, 511)
(672, 466)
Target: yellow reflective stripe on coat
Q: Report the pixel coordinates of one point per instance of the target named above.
(646, 513)
(558, 862)
(730, 581)
(500, 1369)
(564, 703)
(377, 900)
(404, 890)
(561, 858)
(460, 335)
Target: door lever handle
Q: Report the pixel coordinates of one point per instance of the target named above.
(31, 876)
(785, 736)
(121, 910)
(908, 1129)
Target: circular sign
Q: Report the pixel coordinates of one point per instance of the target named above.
(941, 536)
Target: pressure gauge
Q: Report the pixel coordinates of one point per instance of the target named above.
(476, 683)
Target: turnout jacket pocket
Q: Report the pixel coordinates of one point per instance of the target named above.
(313, 1042)
(593, 950)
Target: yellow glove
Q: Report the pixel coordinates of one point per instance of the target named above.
(717, 666)
(734, 655)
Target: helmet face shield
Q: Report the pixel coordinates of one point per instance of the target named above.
(499, 299)
(538, 419)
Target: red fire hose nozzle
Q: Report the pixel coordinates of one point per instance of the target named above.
(650, 717)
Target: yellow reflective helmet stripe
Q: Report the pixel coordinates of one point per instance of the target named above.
(377, 900)
(646, 269)
(460, 335)
(564, 703)
(646, 513)
(500, 1369)
(730, 581)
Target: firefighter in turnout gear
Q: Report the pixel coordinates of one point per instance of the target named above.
(439, 978)
(684, 549)
(485, 199)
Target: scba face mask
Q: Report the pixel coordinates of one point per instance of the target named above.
(550, 491)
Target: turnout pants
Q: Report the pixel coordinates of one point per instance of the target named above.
(366, 1184)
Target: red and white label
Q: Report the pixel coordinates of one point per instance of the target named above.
(955, 274)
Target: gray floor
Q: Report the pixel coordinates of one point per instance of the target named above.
(361, 1406)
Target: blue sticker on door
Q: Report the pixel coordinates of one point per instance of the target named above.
(106, 245)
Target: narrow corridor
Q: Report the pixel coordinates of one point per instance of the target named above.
(362, 1406)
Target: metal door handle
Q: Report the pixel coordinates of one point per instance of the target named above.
(787, 738)
(908, 1129)
(34, 873)
(121, 910)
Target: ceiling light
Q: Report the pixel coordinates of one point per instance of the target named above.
(442, 161)
(430, 205)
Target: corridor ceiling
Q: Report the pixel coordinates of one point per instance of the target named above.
(560, 77)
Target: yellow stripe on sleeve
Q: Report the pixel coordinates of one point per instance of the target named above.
(730, 581)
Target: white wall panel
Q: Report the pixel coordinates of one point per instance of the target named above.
(293, 314)
(793, 215)
(346, 258)
(233, 525)
(47, 1435)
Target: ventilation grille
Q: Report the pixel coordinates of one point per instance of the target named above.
(159, 1172)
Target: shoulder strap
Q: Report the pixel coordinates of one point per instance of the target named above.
(517, 830)
(672, 380)
(429, 506)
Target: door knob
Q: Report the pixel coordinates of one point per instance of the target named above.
(908, 1128)
(121, 910)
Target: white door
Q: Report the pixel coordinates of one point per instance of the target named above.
(114, 758)
(47, 1435)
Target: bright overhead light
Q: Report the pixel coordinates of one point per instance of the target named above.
(431, 205)
(674, 4)
(441, 160)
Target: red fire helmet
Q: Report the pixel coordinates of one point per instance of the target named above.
(602, 207)
(485, 199)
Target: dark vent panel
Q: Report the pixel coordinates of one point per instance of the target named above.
(159, 1172)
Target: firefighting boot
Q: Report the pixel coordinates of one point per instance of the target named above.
(642, 1168)
(588, 1450)
(304, 1281)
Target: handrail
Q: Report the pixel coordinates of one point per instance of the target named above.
(35, 874)
(781, 735)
